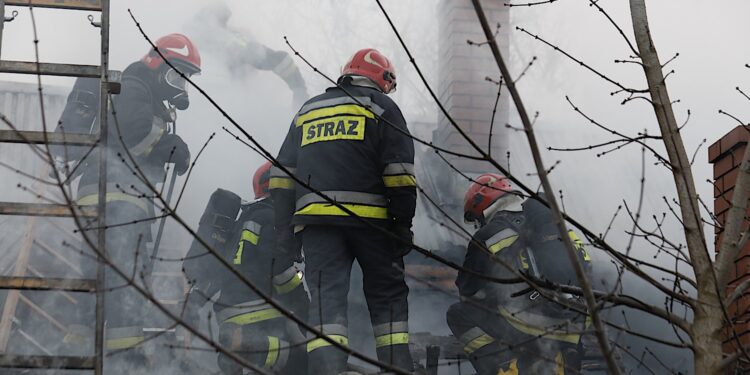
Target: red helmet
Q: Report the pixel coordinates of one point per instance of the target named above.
(372, 64)
(178, 49)
(260, 180)
(484, 191)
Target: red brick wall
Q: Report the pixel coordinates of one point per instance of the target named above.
(726, 156)
(462, 87)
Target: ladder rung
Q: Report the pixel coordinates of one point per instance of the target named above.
(60, 4)
(46, 362)
(42, 209)
(50, 69)
(37, 137)
(47, 283)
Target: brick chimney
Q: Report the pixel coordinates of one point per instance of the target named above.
(726, 156)
(462, 88)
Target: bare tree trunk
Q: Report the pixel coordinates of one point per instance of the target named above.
(708, 319)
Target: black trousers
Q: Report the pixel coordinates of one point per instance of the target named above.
(264, 344)
(494, 346)
(329, 254)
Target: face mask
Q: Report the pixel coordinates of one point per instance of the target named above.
(174, 80)
(181, 101)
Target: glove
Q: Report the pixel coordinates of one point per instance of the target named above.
(403, 245)
(172, 149)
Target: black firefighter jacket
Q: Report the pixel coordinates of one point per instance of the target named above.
(351, 143)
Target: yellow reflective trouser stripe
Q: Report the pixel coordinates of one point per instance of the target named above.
(477, 343)
(503, 244)
(399, 181)
(319, 342)
(124, 342)
(113, 197)
(512, 369)
(273, 351)
(392, 339)
(246, 236)
(281, 183)
(537, 331)
(345, 109)
(372, 212)
(289, 285)
(559, 364)
(254, 317)
(579, 245)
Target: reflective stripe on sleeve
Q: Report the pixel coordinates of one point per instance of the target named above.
(399, 175)
(579, 245)
(144, 147)
(250, 233)
(501, 240)
(280, 179)
(399, 181)
(288, 280)
(285, 67)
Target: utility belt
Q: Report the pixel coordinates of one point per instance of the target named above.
(248, 313)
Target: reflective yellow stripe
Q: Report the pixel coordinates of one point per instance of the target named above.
(254, 317)
(559, 364)
(124, 342)
(114, 196)
(238, 255)
(371, 212)
(538, 331)
(246, 236)
(289, 285)
(319, 342)
(477, 343)
(392, 339)
(273, 351)
(579, 245)
(502, 244)
(281, 183)
(512, 369)
(346, 109)
(399, 181)
(249, 237)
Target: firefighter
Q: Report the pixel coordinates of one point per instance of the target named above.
(350, 144)
(504, 328)
(242, 53)
(248, 324)
(139, 128)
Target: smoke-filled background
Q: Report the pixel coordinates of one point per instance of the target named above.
(709, 37)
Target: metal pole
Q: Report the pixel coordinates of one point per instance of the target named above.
(102, 204)
(162, 222)
(2, 24)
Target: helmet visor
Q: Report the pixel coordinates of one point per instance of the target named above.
(174, 79)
